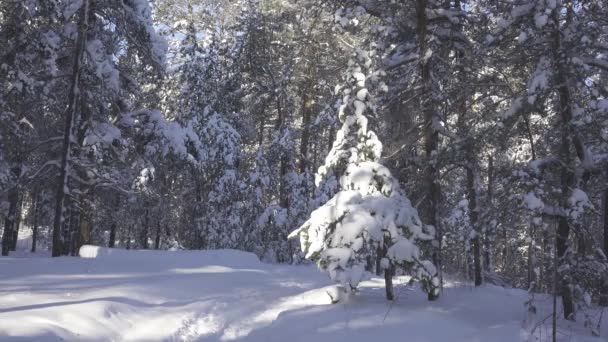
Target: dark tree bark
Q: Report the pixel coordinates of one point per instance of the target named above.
(489, 236)
(16, 225)
(9, 221)
(85, 226)
(604, 296)
(35, 220)
(473, 217)
(388, 282)
(431, 136)
(567, 177)
(112, 239)
(157, 239)
(67, 132)
(128, 244)
(144, 235)
(379, 256)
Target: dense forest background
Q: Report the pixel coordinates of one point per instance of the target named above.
(207, 124)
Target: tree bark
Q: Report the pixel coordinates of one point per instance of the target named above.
(604, 295)
(17, 224)
(567, 177)
(431, 136)
(62, 184)
(85, 226)
(473, 217)
(144, 235)
(112, 239)
(489, 234)
(9, 221)
(157, 239)
(388, 282)
(35, 221)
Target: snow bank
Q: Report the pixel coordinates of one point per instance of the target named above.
(223, 257)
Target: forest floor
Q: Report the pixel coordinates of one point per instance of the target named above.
(229, 295)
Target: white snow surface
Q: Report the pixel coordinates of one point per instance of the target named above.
(228, 295)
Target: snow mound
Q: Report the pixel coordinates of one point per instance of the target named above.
(224, 257)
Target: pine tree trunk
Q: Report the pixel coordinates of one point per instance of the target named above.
(144, 235)
(473, 217)
(74, 229)
(157, 239)
(388, 282)
(379, 256)
(431, 137)
(489, 236)
(306, 117)
(531, 275)
(112, 239)
(128, 244)
(604, 295)
(85, 226)
(9, 221)
(17, 224)
(35, 221)
(62, 184)
(564, 109)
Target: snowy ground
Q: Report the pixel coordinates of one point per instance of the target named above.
(231, 296)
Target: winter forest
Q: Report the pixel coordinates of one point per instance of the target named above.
(286, 170)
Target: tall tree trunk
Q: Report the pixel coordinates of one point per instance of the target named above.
(379, 255)
(128, 243)
(431, 137)
(473, 217)
(35, 221)
(85, 226)
(531, 261)
(306, 118)
(74, 229)
(489, 233)
(9, 221)
(388, 282)
(17, 224)
(112, 239)
(144, 235)
(604, 296)
(157, 239)
(564, 109)
(62, 184)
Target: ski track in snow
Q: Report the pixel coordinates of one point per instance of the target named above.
(231, 296)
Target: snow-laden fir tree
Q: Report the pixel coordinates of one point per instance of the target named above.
(193, 99)
(369, 216)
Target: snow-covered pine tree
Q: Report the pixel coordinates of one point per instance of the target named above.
(369, 216)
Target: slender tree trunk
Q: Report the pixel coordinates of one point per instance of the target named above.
(531, 274)
(604, 296)
(112, 239)
(431, 137)
(146, 227)
(17, 224)
(157, 239)
(35, 221)
(62, 184)
(128, 244)
(9, 221)
(86, 224)
(563, 230)
(306, 117)
(473, 217)
(379, 256)
(388, 282)
(564, 109)
(489, 233)
(74, 229)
